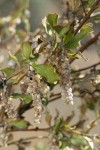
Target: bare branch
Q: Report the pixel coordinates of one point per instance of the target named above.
(89, 67)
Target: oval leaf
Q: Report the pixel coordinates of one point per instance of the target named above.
(26, 98)
(47, 72)
(19, 124)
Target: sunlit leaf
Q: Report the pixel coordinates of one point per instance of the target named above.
(90, 142)
(71, 54)
(47, 26)
(49, 22)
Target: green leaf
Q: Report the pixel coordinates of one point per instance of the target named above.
(19, 56)
(78, 140)
(8, 71)
(52, 19)
(26, 98)
(71, 41)
(58, 125)
(90, 105)
(60, 30)
(49, 22)
(47, 72)
(19, 124)
(85, 30)
(68, 39)
(47, 26)
(26, 50)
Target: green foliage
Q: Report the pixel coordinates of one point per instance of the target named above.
(60, 30)
(19, 57)
(52, 19)
(71, 41)
(19, 124)
(26, 50)
(50, 22)
(47, 72)
(26, 98)
(8, 71)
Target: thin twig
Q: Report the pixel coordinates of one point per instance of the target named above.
(55, 98)
(94, 65)
(87, 16)
(83, 7)
(30, 130)
(29, 138)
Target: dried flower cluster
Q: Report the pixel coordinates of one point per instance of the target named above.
(39, 91)
(6, 107)
(59, 59)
